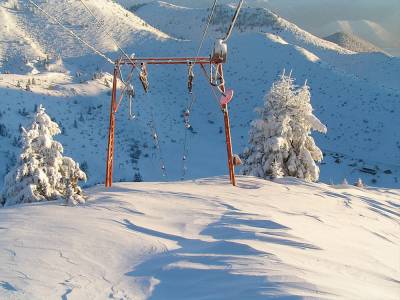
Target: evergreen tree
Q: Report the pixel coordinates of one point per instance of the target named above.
(42, 173)
(281, 136)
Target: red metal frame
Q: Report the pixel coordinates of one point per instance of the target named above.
(202, 61)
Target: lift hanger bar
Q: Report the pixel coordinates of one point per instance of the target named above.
(165, 60)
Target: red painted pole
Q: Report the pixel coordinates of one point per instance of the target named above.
(225, 111)
(111, 131)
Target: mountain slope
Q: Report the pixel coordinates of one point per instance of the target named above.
(171, 17)
(44, 34)
(352, 42)
(16, 46)
(259, 20)
(366, 29)
(281, 240)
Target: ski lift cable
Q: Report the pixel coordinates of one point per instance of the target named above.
(98, 23)
(210, 17)
(98, 52)
(234, 19)
(211, 86)
(126, 83)
(192, 99)
(206, 28)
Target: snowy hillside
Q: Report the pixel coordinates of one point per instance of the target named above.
(366, 29)
(284, 240)
(356, 95)
(169, 17)
(16, 46)
(352, 42)
(36, 36)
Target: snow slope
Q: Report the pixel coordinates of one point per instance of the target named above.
(283, 240)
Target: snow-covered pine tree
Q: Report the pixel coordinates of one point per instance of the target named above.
(42, 173)
(281, 135)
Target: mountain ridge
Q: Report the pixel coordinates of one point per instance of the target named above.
(352, 42)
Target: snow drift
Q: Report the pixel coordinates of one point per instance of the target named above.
(284, 240)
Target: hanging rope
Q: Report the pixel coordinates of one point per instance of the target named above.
(184, 157)
(157, 145)
(190, 77)
(130, 92)
(73, 33)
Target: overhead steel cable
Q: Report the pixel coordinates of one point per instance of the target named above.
(99, 24)
(192, 99)
(233, 22)
(206, 28)
(98, 52)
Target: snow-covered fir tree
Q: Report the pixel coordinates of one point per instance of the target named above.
(281, 138)
(42, 173)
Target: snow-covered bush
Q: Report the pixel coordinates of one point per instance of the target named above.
(359, 183)
(42, 173)
(55, 65)
(12, 4)
(280, 140)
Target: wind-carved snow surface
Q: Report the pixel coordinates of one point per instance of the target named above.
(283, 240)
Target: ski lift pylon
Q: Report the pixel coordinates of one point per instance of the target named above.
(215, 61)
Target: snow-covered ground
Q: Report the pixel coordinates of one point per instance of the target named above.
(284, 240)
